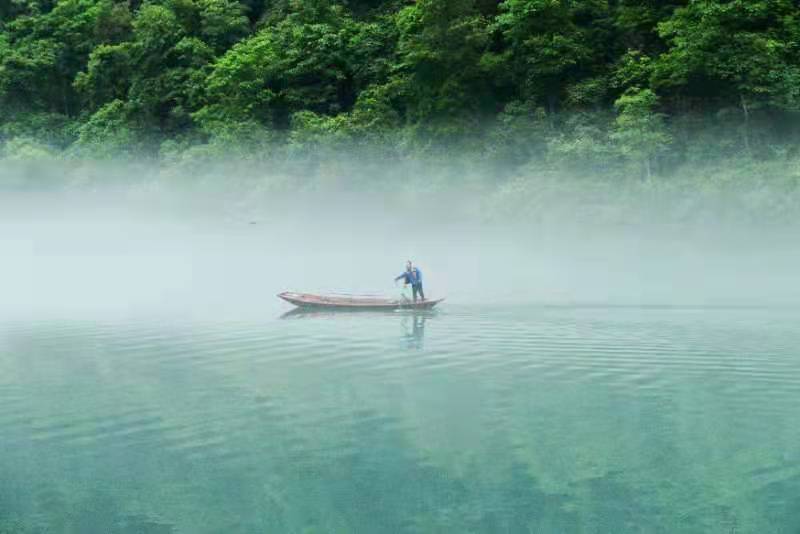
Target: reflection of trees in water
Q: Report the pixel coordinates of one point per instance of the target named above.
(383, 484)
(223, 456)
(254, 446)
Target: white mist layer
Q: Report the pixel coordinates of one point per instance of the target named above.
(105, 256)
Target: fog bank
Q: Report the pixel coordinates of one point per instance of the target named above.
(169, 253)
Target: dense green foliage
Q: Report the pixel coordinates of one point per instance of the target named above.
(624, 88)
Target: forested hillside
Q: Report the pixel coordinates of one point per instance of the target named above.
(634, 88)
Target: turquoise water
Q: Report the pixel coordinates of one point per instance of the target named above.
(516, 419)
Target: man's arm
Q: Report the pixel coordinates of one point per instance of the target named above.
(399, 277)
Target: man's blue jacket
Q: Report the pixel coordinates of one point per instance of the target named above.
(413, 277)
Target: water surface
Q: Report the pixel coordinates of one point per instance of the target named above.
(472, 419)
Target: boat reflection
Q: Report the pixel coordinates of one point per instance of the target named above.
(306, 313)
(412, 322)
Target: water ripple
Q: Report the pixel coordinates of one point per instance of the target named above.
(436, 415)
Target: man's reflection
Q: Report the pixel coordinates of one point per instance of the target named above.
(415, 332)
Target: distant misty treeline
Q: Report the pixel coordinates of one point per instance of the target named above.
(699, 93)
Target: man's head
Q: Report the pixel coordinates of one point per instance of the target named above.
(408, 265)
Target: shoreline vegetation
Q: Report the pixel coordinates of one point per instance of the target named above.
(688, 107)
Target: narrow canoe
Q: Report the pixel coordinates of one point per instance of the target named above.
(354, 302)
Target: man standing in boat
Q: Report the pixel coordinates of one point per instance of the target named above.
(413, 276)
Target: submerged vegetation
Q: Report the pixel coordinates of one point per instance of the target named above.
(689, 95)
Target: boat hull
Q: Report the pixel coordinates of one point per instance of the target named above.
(354, 303)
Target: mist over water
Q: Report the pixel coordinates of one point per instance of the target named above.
(198, 253)
(582, 376)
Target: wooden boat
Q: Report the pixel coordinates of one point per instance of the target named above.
(354, 302)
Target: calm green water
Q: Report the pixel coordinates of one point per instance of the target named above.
(469, 420)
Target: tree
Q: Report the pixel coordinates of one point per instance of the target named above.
(551, 44)
(159, 75)
(636, 24)
(582, 143)
(107, 76)
(218, 23)
(519, 134)
(439, 65)
(639, 130)
(109, 133)
(306, 61)
(745, 51)
(50, 48)
(26, 70)
(509, 81)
